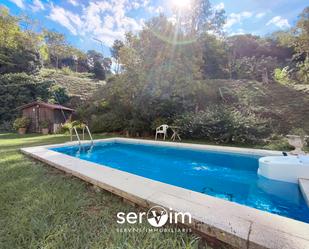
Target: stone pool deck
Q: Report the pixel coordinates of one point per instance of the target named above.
(237, 225)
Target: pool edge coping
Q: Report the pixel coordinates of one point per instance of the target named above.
(232, 223)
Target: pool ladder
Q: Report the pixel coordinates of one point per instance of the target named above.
(83, 135)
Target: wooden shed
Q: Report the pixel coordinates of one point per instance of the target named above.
(41, 111)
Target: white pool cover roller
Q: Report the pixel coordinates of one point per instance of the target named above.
(284, 168)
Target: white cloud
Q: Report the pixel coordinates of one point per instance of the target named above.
(238, 32)
(136, 4)
(237, 18)
(73, 2)
(279, 22)
(66, 18)
(219, 6)
(105, 20)
(153, 9)
(260, 15)
(37, 5)
(19, 3)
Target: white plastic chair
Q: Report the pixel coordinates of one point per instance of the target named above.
(162, 129)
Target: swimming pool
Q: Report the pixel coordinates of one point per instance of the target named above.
(229, 176)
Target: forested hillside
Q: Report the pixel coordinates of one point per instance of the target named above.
(80, 86)
(286, 106)
(188, 72)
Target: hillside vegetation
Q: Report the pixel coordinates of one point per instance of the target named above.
(78, 85)
(286, 105)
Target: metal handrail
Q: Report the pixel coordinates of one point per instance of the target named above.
(74, 128)
(89, 133)
(83, 137)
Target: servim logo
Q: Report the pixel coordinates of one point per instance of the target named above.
(156, 216)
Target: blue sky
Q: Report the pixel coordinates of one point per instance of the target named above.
(107, 20)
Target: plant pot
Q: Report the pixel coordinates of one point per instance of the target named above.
(45, 131)
(297, 142)
(22, 131)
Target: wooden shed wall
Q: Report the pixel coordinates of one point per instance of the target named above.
(59, 118)
(30, 112)
(41, 113)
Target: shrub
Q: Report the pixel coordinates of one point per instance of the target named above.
(98, 71)
(69, 125)
(19, 60)
(58, 94)
(303, 71)
(279, 144)
(67, 71)
(21, 123)
(6, 126)
(107, 122)
(159, 121)
(254, 67)
(298, 131)
(282, 75)
(222, 125)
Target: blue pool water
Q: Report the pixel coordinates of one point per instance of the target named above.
(224, 175)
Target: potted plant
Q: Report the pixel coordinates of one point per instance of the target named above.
(44, 127)
(21, 124)
(297, 139)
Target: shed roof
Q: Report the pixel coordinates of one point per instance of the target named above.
(47, 105)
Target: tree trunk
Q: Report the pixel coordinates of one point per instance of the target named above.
(57, 62)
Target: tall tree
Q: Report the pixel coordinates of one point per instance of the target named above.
(98, 71)
(199, 17)
(94, 56)
(98, 64)
(215, 58)
(117, 45)
(301, 45)
(18, 49)
(301, 32)
(298, 39)
(10, 32)
(56, 44)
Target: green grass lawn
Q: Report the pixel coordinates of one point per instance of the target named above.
(42, 207)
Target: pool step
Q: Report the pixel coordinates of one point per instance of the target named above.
(304, 187)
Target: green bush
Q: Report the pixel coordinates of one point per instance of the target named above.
(98, 71)
(19, 60)
(69, 125)
(282, 75)
(221, 125)
(253, 67)
(58, 94)
(108, 122)
(67, 71)
(279, 144)
(298, 131)
(157, 122)
(303, 71)
(21, 123)
(6, 126)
